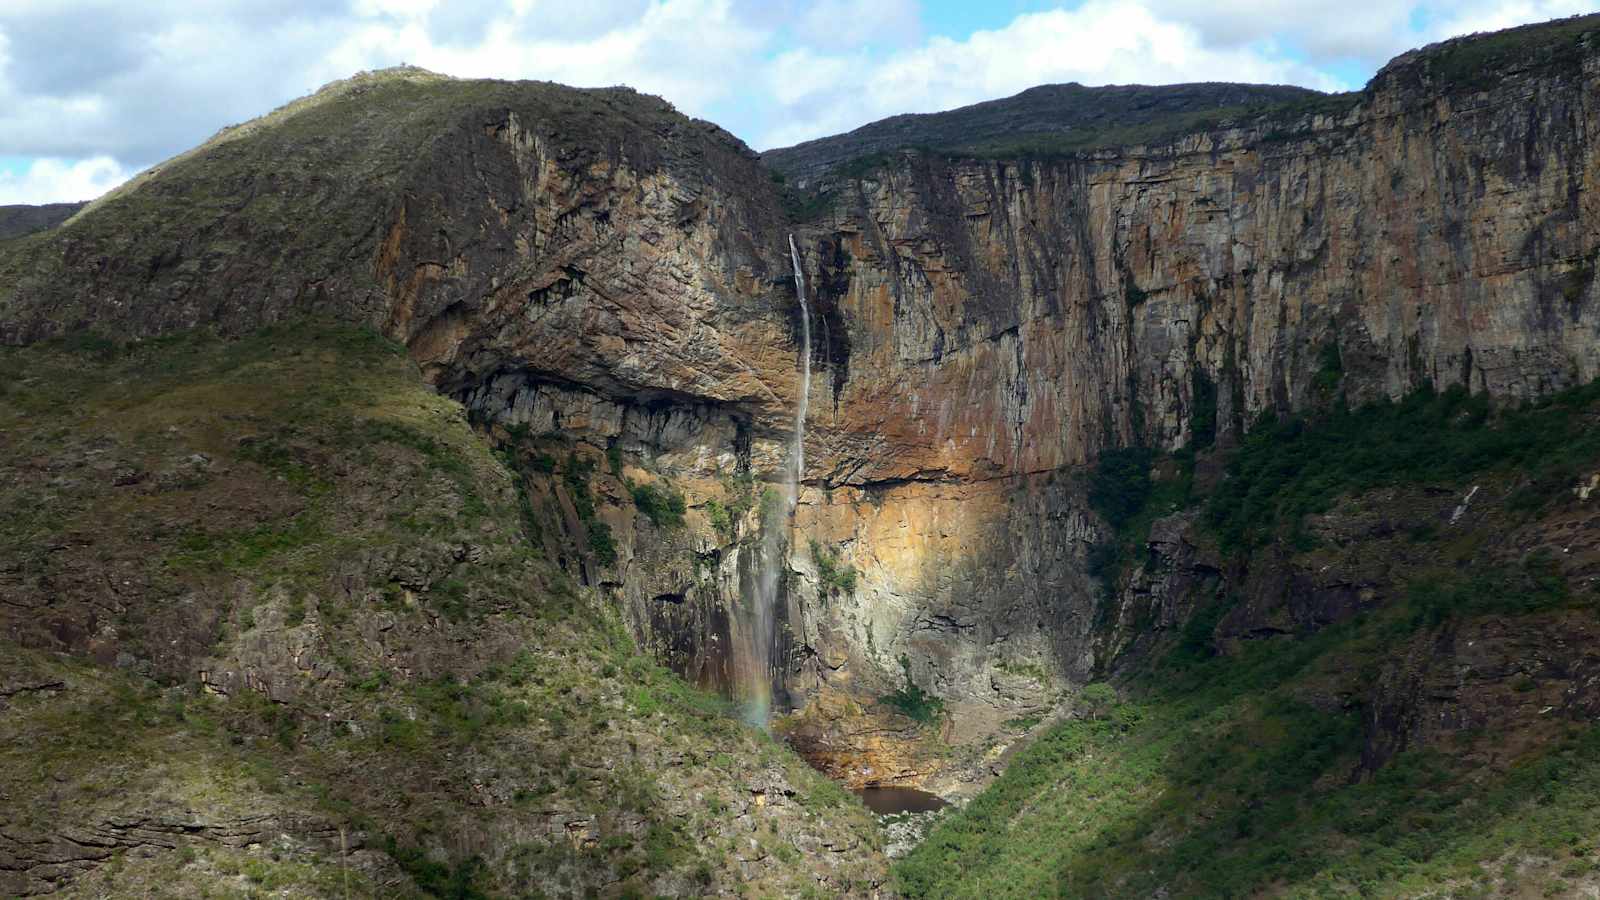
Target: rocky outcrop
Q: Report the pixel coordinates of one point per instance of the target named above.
(1526, 681)
(38, 862)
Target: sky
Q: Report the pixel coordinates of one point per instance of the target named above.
(93, 91)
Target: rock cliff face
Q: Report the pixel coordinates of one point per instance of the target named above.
(1011, 318)
(1018, 317)
(589, 267)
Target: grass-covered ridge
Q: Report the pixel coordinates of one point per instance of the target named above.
(1060, 116)
(278, 576)
(1480, 61)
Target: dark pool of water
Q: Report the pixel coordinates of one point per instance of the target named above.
(886, 801)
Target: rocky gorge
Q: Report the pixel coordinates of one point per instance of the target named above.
(602, 289)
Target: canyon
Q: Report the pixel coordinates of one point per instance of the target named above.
(615, 298)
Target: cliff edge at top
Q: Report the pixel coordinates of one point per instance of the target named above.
(1064, 114)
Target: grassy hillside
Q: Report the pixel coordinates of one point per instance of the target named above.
(20, 219)
(293, 213)
(1439, 739)
(271, 625)
(1226, 780)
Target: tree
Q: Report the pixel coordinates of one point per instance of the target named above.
(1097, 699)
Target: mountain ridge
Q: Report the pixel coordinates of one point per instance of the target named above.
(1071, 117)
(1050, 110)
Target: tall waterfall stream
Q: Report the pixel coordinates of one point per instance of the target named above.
(762, 637)
(797, 454)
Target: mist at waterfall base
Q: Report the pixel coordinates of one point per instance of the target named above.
(755, 675)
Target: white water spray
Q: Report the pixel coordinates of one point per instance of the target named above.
(763, 636)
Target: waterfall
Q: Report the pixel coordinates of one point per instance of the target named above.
(763, 637)
(797, 455)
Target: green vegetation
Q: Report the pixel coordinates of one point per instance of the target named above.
(1329, 375)
(346, 150)
(576, 475)
(1120, 487)
(292, 404)
(1023, 723)
(1164, 129)
(801, 205)
(246, 549)
(1213, 775)
(1534, 586)
(836, 577)
(1107, 805)
(437, 879)
(912, 701)
(301, 488)
(601, 543)
(721, 519)
(1097, 699)
(1123, 492)
(1479, 62)
(1286, 469)
(662, 504)
(1112, 121)
(726, 516)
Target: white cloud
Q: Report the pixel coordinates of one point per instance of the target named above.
(1101, 42)
(1491, 15)
(846, 23)
(1371, 31)
(139, 82)
(143, 84)
(689, 51)
(152, 79)
(61, 181)
(1368, 32)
